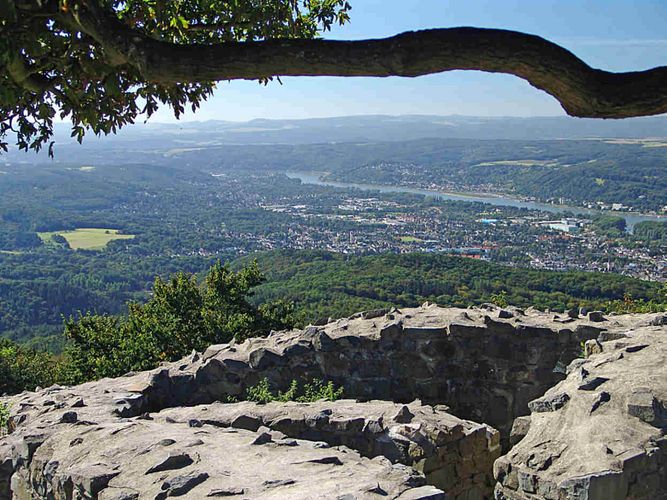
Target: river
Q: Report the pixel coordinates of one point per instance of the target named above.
(498, 200)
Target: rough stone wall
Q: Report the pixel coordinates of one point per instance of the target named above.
(70, 444)
(485, 364)
(599, 434)
(454, 455)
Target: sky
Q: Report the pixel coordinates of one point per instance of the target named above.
(615, 35)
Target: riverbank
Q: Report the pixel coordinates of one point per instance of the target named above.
(631, 218)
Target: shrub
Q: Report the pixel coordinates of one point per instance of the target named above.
(500, 299)
(4, 419)
(22, 368)
(314, 391)
(180, 317)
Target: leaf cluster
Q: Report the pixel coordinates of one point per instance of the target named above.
(4, 418)
(22, 368)
(54, 65)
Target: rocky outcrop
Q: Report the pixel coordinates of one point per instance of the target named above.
(168, 432)
(454, 455)
(71, 443)
(599, 434)
(486, 364)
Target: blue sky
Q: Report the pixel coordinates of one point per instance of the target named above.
(616, 35)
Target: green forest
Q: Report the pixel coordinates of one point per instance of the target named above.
(323, 284)
(239, 301)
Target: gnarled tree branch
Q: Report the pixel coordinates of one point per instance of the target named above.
(582, 91)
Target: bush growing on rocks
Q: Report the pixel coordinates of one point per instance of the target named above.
(314, 391)
(23, 368)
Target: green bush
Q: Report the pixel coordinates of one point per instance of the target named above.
(22, 368)
(180, 317)
(4, 418)
(500, 299)
(631, 305)
(314, 391)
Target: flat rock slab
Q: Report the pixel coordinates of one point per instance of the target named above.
(341, 449)
(148, 459)
(454, 454)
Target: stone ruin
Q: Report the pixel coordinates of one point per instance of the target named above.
(434, 397)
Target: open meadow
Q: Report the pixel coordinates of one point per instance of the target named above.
(86, 238)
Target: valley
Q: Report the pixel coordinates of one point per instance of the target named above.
(182, 202)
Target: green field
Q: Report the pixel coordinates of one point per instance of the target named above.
(410, 239)
(86, 238)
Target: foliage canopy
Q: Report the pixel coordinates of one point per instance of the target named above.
(103, 63)
(180, 317)
(56, 60)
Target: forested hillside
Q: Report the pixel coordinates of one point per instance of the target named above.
(631, 172)
(323, 284)
(185, 312)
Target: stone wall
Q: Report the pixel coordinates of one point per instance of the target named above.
(69, 443)
(485, 364)
(599, 434)
(171, 432)
(454, 455)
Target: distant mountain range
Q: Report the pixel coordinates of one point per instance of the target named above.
(158, 137)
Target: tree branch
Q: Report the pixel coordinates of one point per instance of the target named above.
(582, 91)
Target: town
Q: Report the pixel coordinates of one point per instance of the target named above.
(354, 222)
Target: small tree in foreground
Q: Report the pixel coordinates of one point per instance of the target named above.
(180, 317)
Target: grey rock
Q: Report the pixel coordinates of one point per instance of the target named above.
(596, 316)
(226, 492)
(600, 445)
(643, 404)
(549, 403)
(262, 438)
(172, 462)
(591, 347)
(610, 485)
(520, 428)
(592, 383)
(375, 313)
(69, 417)
(505, 314)
(608, 336)
(423, 493)
(659, 320)
(276, 483)
(181, 485)
(403, 416)
(602, 398)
